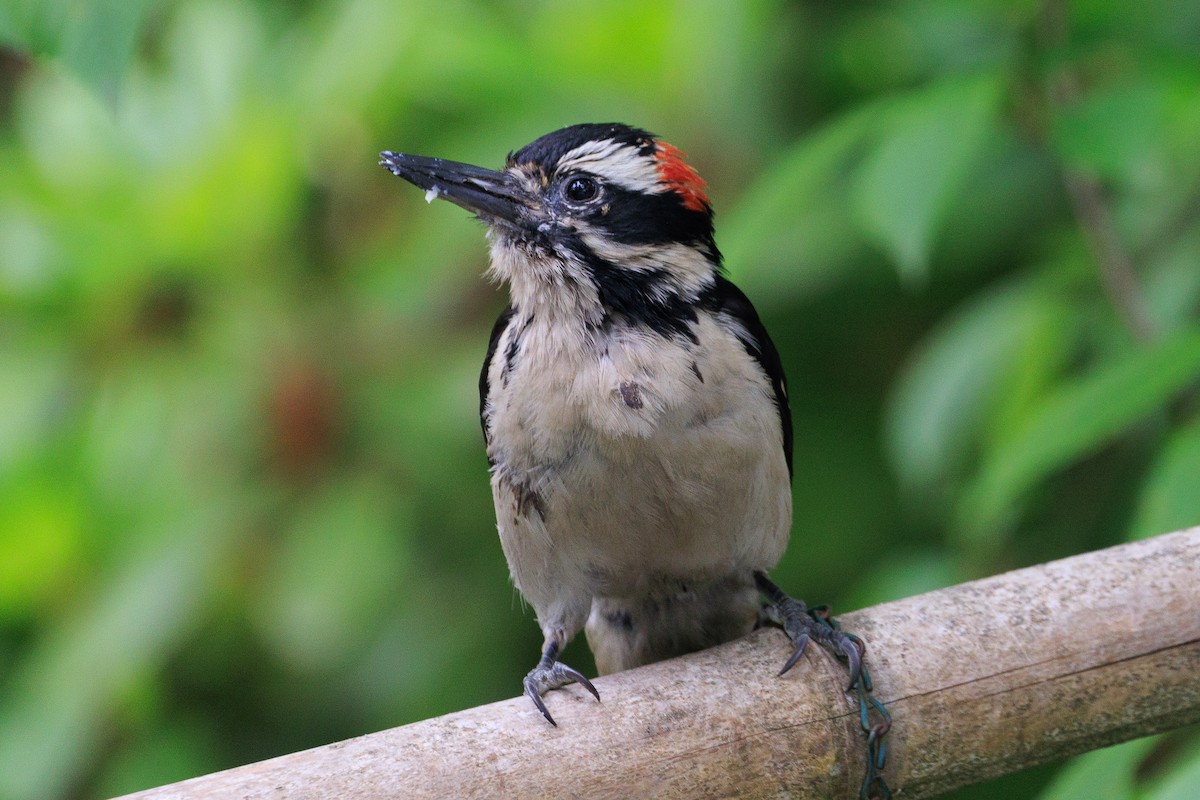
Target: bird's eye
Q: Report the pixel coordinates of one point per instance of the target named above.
(580, 189)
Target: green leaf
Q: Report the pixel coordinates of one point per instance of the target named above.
(41, 537)
(1115, 132)
(1106, 774)
(1170, 499)
(939, 403)
(99, 41)
(341, 560)
(34, 26)
(1181, 780)
(789, 231)
(904, 574)
(54, 707)
(1081, 416)
(163, 754)
(1171, 283)
(929, 143)
(36, 372)
(95, 40)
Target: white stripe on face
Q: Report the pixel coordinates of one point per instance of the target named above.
(616, 162)
(689, 269)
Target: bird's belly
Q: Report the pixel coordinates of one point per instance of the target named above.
(641, 462)
(694, 500)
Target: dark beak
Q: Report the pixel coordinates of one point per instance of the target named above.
(485, 192)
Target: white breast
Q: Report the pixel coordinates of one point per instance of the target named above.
(623, 461)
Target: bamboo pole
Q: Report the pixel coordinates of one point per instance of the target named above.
(982, 679)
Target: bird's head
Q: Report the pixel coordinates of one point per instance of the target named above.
(602, 219)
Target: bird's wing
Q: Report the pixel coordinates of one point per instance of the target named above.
(731, 301)
(497, 331)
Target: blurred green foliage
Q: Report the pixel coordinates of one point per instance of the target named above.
(243, 497)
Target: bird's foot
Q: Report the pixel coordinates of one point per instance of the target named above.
(803, 624)
(552, 674)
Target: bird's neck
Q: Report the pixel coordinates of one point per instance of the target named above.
(556, 296)
(575, 305)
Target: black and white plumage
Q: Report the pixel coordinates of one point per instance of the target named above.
(634, 407)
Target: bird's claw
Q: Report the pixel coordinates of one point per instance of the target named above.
(553, 675)
(803, 625)
(801, 644)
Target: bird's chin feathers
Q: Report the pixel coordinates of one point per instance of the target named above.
(580, 275)
(543, 281)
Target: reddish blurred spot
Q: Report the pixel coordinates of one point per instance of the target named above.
(305, 417)
(13, 67)
(166, 309)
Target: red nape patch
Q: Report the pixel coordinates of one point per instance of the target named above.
(680, 178)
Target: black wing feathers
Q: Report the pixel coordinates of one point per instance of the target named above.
(730, 300)
(497, 331)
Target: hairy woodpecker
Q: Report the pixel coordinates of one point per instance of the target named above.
(634, 408)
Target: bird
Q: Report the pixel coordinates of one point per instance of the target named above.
(634, 408)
